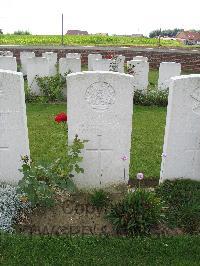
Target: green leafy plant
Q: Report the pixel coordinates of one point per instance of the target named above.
(94, 40)
(51, 88)
(183, 199)
(137, 213)
(41, 182)
(151, 98)
(99, 198)
(29, 95)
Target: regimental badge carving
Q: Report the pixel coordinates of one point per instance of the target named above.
(196, 96)
(100, 95)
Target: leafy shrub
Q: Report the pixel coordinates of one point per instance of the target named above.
(51, 88)
(183, 198)
(10, 204)
(29, 95)
(22, 32)
(99, 198)
(41, 182)
(151, 97)
(137, 213)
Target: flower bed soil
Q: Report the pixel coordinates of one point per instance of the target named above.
(74, 215)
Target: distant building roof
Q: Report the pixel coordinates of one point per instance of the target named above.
(137, 35)
(189, 35)
(101, 33)
(129, 35)
(77, 32)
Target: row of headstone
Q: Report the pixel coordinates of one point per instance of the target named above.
(52, 61)
(6, 53)
(46, 66)
(100, 110)
(138, 67)
(100, 106)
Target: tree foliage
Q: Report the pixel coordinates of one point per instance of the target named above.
(22, 32)
(162, 33)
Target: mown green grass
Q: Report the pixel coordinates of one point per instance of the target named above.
(94, 40)
(147, 140)
(48, 139)
(153, 78)
(37, 250)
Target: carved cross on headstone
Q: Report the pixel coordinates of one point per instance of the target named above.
(99, 151)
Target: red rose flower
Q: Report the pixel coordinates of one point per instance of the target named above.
(62, 117)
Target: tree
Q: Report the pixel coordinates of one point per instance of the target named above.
(162, 33)
(22, 32)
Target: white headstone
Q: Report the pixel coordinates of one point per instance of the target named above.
(100, 107)
(73, 55)
(13, 126)
(67, 65)
(8, 63)
(167, 70)
(101, 64)
(140, 57)
(6, 53)
(140, 70)
(181, 150)
(52, 57)
(91, 59)
(116, 64)
(36, 66)
(23, 58)
(120, 59)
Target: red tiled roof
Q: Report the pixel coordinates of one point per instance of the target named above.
(77, 32)
(189, 35)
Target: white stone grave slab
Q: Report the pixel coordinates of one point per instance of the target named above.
(91, 59)
(8, 63)
(23, 58)
(101, 64)
(116, 64)
(167, 70)
(36, 66)
(72, 65)
(181, 150)
(120, 62)
(6, 53)
(69, 65)
(13, 126)
(140, 70)
(140, 57)
(73, 55)
(52, 57)
(100, 107)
